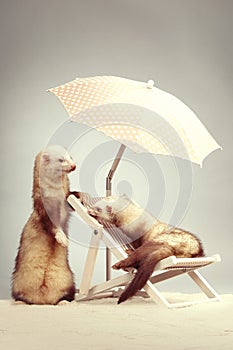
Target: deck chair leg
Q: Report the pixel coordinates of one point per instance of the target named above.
(155, 295)
(204, 285)
(90, 262)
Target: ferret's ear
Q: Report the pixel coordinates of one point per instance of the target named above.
(109, 209)
(45, 157)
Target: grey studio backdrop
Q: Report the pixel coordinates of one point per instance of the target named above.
(185, 46)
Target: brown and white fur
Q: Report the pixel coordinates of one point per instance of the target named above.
(42, 274)
(152, 240)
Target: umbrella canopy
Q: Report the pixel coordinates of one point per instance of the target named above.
(139, 115)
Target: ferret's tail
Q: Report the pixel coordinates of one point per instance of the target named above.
(145, 270)
(141, 277)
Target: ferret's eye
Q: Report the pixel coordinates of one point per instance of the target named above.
(60, 160)
(98, 209)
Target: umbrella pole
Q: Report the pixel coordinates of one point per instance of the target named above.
(113, 169)
(109, 193)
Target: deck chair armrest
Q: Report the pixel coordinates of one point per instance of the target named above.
(173, 262)
(82, 211)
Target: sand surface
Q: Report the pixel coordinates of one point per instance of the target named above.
(102, 324)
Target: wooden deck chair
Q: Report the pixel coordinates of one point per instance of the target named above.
(165, 269)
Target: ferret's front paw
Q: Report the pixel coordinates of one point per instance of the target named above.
(92, 212)
(85, 198)
(61, 238)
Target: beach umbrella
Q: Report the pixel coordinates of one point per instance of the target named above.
(138, 115)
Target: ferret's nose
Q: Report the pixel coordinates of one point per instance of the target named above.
(73, 167)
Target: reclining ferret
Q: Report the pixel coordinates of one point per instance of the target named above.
(151, 239)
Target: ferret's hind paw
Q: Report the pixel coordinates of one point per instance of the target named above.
(61, 238)
(119, 265)
(18, 302)
(63, 303)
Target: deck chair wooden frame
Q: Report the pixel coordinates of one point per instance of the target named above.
(164, 270)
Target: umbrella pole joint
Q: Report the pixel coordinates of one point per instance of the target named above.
(113, 170)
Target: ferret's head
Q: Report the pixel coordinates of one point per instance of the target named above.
(55, 160)
(123, 213)
(108, 209)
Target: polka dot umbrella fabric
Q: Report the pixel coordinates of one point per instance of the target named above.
(138, 115)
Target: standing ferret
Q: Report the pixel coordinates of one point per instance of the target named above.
(152, 240)
(42, 274)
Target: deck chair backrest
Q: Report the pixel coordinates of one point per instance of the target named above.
(116, 233)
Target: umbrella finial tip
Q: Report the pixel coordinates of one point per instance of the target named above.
(150, 84)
